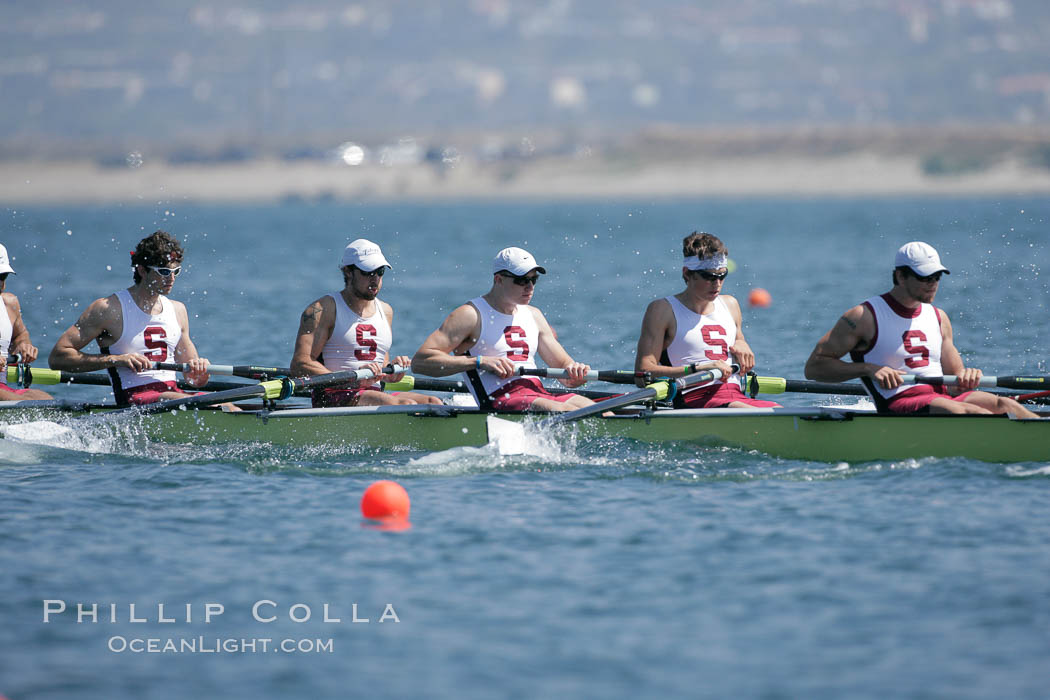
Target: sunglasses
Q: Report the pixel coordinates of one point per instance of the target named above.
(935, 277)
(378, 272)
(711, 276)
(521, 281)
(166, 271)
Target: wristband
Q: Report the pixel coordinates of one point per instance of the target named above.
(477, 362)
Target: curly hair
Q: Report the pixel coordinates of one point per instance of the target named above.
(157, 249)
(702, 245)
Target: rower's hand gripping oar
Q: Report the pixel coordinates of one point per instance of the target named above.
(274, 389)
(509, 436)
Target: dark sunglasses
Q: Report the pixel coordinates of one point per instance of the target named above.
(710, 276)
(521, 281)
(935, 277)
(166, 271)
(378, 272)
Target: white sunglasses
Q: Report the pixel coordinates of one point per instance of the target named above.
(165, 271)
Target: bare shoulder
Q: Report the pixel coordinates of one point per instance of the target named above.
(387, 309)
(180, 309)
(10, 300)
(658, 310)
(731, 303)
(316, 312)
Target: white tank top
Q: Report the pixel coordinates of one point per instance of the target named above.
(7, 329)
(702, 337)
(905, 339)
(356, 340)
(514, 336)
(152, 336)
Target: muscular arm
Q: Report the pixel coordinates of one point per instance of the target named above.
(315, 328)
(20, 343)
(853, 330)
(741, 351)
(101, 321)
(186, 351)
(456, 334)
(951, 360)
(552, 352)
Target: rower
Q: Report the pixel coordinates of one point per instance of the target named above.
(14, 337)
(901, 332)
(136, 327)
(699, 329)
(492, 335)
(352, 330)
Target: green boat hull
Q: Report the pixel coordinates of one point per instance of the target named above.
(811, 434)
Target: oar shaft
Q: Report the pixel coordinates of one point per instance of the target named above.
(248, 371)
(779, 385)
(657, 390)
(985, 382)
(615, 376)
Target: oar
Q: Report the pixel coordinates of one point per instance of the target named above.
(987, 382)
(277, 389)
(248, 371)
(779, 385)
(26, 376)
(614, 376)
(509, 436)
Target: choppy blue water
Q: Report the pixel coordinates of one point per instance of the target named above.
(603, 569)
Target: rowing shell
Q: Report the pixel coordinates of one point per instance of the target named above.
(820, 434)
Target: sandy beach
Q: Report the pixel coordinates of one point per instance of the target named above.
(859, 173)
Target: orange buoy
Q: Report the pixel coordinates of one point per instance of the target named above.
(385, 499)
(759, 297)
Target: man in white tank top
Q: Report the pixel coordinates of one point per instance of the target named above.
(698, 329)
(136, 327)
(492, 335)
(14, 337)
(900, 333)
(352, 330)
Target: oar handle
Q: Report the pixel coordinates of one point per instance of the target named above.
(615, 376)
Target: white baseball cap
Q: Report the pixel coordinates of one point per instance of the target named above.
(921, 258)
(516, 261)
(5, 262)
(364, 255)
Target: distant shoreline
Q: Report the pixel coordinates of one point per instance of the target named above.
(271, 180)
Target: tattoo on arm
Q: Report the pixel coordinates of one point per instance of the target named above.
(310, 319)
(849, 323)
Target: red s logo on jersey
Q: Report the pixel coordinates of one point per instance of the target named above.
(911, 338)
(709, 335)
(366, 341)
(155, 338)
(515, 337)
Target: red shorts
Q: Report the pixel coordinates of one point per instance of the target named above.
(5, 387)
(340, 396)
(150, 393)
(720, 395)
(145, 393)
(519, 394)
(917, 399)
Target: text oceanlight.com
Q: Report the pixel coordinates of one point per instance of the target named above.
(217, 645)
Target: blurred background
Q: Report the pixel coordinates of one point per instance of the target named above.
(116, 100)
